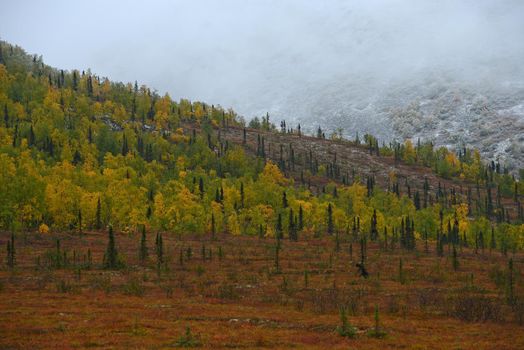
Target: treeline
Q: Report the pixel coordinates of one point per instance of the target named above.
(297, 159)
(464, 164)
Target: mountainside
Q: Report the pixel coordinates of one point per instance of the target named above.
(448, 72)
(447, 113)
(131, 220)
(74, 123)
(493, 124)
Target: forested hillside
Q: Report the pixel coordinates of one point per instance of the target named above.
(264, 236)
(81, 152)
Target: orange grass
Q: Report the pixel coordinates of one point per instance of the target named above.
(241, 302)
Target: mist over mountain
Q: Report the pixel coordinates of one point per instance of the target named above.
(448, 71)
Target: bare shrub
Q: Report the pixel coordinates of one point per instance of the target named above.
(475, 308)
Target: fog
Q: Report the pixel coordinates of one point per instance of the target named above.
(338, 62)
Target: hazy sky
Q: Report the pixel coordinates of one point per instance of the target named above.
(268, 55)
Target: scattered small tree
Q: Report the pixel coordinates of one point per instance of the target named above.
(11, 251)
(79, 221)
(510, 287)
(143, 246)
(330, 226)
(377, 332)
(455, 261)
(277, 258)
(188, 340)
(306, 279)
(111, 255)
(345, 329)
(213, 226)
(98, 220)
(159, 244)
(279, 233)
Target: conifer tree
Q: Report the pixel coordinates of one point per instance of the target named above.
(279, 229)
(201, 188)
(79, 220)
(300, 218)
(284, 200)
(416, 200)
(213, 226)
(277, 257)
(481, 241)
(260, 231)
(345, 329)
(31, 139)
(98, 215)
(374, 231)
(455, 259)
(354, 231)
(111, 255)
(15, 136)
(6, 116)
(440, 247)
(493, 242)
(385, 238)
(181, 257)
(143, 246)
(125, 147)
(89, 259)
(426, 191)
(77, 158)
(75, 80)
(159, 244)
(58, 255)
(510, 283)
(330, 226)
(90, 88)
(489, 204)
(363, 243)
(242, 194)
(11, 255)
(291, 226)
(337, 241)
(220, 253)
(377, 332)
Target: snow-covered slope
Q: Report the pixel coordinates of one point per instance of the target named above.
(447, 112)
(448, 71)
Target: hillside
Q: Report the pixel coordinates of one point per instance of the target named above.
(245, 216)
(481, 115)
(352, 162)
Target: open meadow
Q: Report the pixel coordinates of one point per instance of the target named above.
(234, 292)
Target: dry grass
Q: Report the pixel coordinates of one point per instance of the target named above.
(240, 301)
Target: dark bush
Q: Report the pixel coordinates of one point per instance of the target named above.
(476, 308)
